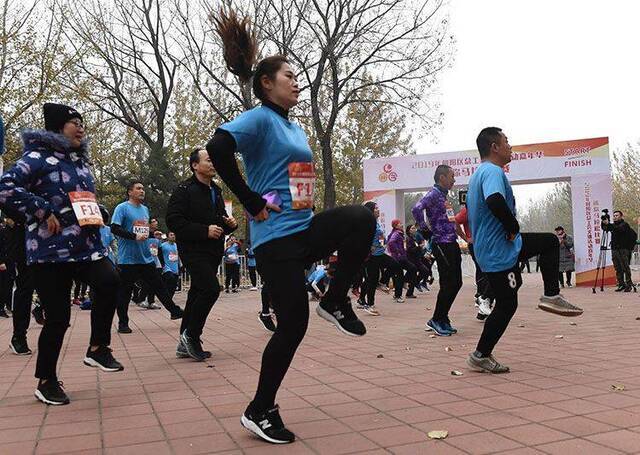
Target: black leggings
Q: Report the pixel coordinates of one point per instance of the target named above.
(450, 277)
(373, 267)
(22, 298)
(232, 272)
(483, 288)
(252, 275)
(505, 285)
(53, 282)
(391, 269)
(282, 264)
(150, 275)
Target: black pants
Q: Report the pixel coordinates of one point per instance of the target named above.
(53, 282)
(150, 275)
(621, 259)
(79, 289)
(282, 263)
(22, 298)
(505, 285)
(265, 298)
(7, 278)
(374, 266)
(391, 269)
(203, 293)
(483, 288)
(449, 262)
(252, 275)
(146, 291)
(232, 275)
(170, 281)
(561, 277)
(410, 276)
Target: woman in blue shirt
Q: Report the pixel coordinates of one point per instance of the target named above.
(285, 234)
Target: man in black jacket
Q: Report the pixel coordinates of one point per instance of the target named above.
(621, 247)
(197, 216)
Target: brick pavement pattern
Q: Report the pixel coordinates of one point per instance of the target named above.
(378, 394)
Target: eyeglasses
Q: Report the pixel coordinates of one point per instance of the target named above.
(77, 123)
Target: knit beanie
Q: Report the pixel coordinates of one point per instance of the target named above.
(56, 115)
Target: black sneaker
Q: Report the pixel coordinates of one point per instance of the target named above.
(177, 313)
(124, 328)
(3, 313)
(267, 425)
(38, 314)
(192, 347)
(267, 321)
(181, 351)
(19, 346)
(51, 392)
(103, 359)
(342, 316)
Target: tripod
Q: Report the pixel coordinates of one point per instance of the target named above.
(602, 262)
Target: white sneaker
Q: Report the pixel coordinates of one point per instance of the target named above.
(144, 305)
(399, 300)
(485, 306)
(154, 306)
(253, 288)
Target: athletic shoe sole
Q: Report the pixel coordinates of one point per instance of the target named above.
(18, 353)
(193, 355)
(263, 325)
(551, 308)
(88, 361)
(255, 429)
(331, 318)
(480, 369)
(42, 398)
(428, 328)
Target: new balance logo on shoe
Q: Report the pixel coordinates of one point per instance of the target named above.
(264, 424)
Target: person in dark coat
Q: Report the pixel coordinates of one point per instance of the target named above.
(567, 258)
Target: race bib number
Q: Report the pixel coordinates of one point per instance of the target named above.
(86, 208)
(173, 257)
(233, 257)
(154, 250)
(141, 227)
(450, 213)
(302, 183)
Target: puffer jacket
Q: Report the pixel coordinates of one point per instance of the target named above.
(39, 185)
(395, 245)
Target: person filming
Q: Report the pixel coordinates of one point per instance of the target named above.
(623, 240)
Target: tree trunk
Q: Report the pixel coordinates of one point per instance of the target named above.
(327, 173)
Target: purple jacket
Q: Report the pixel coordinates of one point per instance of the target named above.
(432, 203)
(395, 245)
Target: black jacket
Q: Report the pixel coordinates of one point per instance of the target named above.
(190, 212)
(620, 233)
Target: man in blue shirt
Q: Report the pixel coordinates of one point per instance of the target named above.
(499, 245)
(130, 223)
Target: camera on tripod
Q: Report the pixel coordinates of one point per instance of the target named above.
(605, 215)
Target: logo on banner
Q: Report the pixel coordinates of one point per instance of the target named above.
(388, 174)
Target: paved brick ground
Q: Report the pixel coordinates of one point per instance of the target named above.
(379, 394)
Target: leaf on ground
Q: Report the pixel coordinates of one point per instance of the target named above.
(438, 434)
(448, 349)
(573, 323)
(638, 318)
(520, 325)
(432, 336)
(559, 337)
(380, 356)
(618, 387)
(456, 373)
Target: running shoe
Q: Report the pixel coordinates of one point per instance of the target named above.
(177, 313)
(361, 304)
(384, 288)
(372, 310)
(481, 317)
(267, 425)
(410, 296)
(3, 313)
(192, 346)
(486, 364)
(145, 305)
(484, 306)
(85, 305)
(559, 305)
(438, 328)
(51, 392)
(447, 325)
(419, 288)
(253, 288)
(103, 359)
(398, 299)
(38, 314)
(154, 306)
(355, 292)
(124, 328)
(181, 351)
(266, 321)
(342, 316)
(19, 346)
(76, 301)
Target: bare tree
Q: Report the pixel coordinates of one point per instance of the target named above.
(130, 73)
(343, 47)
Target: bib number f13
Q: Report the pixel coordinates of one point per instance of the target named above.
(302, 183)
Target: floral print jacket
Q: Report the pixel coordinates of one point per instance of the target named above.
(39, 185)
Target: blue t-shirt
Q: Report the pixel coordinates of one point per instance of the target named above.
(107, 240)
(251, 258)
(317, 275)
(377, 245)
(231, 254)
(154, 249)
(268, 143)
(170, 256)
(493, 251)
(133, 219)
